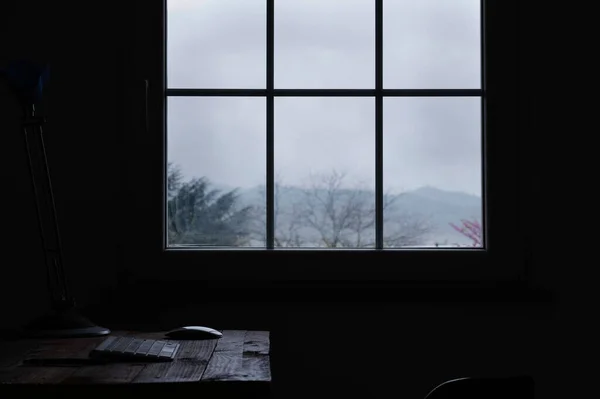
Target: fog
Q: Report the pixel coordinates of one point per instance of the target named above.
(429, 44)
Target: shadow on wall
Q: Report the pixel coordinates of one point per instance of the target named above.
(26, 32)
(23, 292)
(85, 184)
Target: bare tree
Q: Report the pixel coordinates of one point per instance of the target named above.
(336, 214)
(287, 221)
(403, 229)
(345, 217)
(328, 213)
(286, 218)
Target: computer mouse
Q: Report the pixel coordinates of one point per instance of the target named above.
(193, 332)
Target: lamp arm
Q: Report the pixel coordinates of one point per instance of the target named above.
(57, 282)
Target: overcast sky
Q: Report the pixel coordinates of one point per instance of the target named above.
(326, 44)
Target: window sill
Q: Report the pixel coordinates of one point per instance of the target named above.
(234, 291)
(288, 267)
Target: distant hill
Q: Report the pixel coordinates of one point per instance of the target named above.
(437, 207)
(442, 208)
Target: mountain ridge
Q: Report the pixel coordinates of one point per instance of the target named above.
(436, 206)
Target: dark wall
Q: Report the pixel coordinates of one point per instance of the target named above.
(82, 136)
(414, 346)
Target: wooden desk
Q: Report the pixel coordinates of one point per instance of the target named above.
(236, 365)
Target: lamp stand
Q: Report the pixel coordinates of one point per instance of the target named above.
(64, 320)
(67, 322)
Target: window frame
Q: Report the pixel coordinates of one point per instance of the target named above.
(504, 259)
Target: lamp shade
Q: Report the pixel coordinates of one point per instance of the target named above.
(27, 79)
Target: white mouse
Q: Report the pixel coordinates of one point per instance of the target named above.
(194, 332)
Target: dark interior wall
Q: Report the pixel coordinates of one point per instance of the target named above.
(82, 136)
(415, 345)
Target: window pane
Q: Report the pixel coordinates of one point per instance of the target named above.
(324, 170)
(432, 171)
(216, 43)
(325, 44)
(216, 154)
(431, 44)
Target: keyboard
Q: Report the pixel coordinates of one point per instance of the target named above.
(135, 349)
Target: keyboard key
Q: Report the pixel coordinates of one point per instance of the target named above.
(144, 347)
(106, 343)
(124, 342)
(113, 344)
(169, 350)
(156, 348)
(131, 348)
(134, 346)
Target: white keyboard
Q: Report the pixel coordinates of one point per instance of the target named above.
(135, 349)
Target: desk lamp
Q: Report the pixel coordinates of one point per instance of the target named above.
(27, 79)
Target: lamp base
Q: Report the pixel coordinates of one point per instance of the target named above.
(64, 323)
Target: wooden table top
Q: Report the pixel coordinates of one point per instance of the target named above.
(239, 356)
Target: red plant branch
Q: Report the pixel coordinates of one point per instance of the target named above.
(472, 230)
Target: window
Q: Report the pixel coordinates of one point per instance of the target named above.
(300, 125)
(306, 139)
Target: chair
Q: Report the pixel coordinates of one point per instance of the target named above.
(518, 387)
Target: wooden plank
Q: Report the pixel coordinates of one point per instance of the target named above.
(256, 360)
(188, 366)
(175, 371)
(257, 342)
(48, 348)
(195, 350)
(64, 348)
(12, 352)
(240, 356)
(227, 357)
(112, 373)
(36, 375)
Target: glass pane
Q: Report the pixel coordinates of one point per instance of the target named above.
(324, 172)
(325, 44)
(431, 44)
(432, 171)
(216, 156)
(216, 44)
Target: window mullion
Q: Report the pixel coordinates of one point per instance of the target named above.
(379, 124)
(270, 183)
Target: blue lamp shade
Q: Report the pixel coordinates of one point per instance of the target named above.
(27, 79)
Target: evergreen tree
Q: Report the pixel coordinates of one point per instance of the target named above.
(200, 215)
